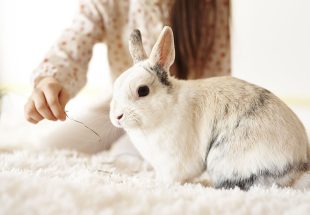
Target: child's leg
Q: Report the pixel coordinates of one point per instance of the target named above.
(73, 135)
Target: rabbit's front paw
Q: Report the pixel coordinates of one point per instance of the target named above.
(169, 177)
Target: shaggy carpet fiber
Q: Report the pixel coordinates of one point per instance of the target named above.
(66, 182)
(45, 181)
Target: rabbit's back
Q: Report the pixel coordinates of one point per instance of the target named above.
(255, 137)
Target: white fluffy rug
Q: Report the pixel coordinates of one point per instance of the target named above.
(68, 182)
(65, 182)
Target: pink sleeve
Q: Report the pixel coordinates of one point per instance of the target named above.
(67, 61)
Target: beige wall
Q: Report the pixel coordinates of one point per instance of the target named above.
(271, 44)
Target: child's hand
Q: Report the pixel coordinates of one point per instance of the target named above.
(47, 101)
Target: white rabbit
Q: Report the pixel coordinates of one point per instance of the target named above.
(236, 132)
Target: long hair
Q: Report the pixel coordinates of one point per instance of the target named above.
(193, 24)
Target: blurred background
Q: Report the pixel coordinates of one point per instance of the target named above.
(270, 47)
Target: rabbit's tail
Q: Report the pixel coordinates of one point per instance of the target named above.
(302, 181)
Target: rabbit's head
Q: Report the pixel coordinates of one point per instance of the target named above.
(143, 93)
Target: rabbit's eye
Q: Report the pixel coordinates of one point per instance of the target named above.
(143, 91)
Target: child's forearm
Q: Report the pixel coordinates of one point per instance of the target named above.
(67, 61)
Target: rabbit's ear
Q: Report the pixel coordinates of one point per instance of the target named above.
(163, 53)
(135, 46)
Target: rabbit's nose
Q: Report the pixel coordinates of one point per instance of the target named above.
(119, 117)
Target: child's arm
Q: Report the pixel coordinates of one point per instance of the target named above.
(63, 71)
(68, 59)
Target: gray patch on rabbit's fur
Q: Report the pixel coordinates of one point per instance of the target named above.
(214, 137)
(162, 75)
(212, 141)
(135, 37)
(135, 46)
(226, 109)
(262, 98)
(276, 173)
(260, 101)
(266, 174)
(219, 138)
(243, 184)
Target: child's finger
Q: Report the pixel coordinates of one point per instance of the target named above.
(31, 114)
(41, 105)
(53, 102)
(63, 98)
(35, 114)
